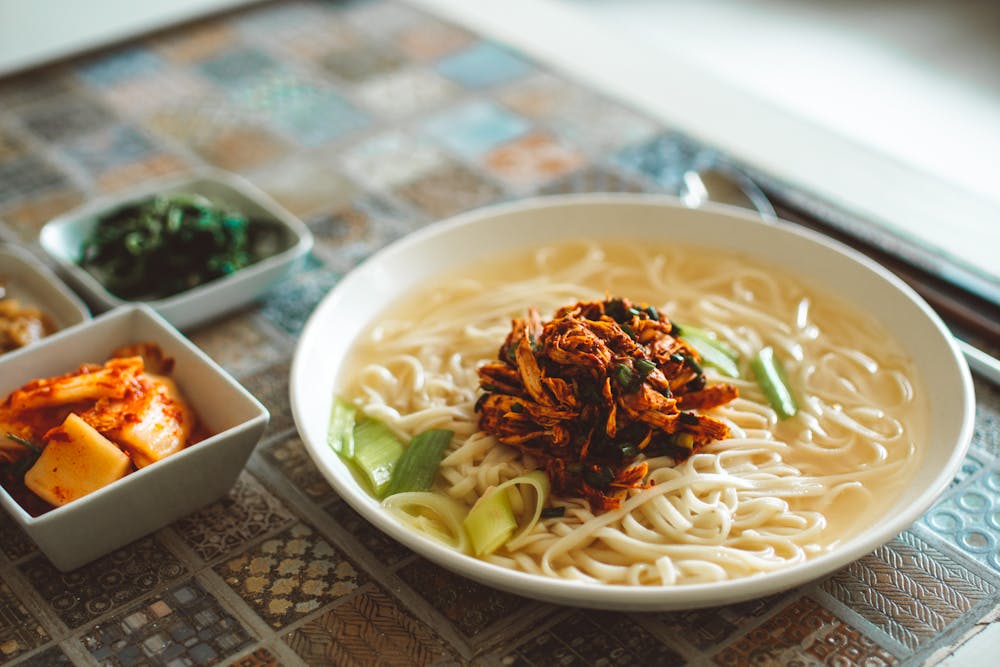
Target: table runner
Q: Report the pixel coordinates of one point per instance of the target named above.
(371, 119)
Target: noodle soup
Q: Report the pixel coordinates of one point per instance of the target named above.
(776, 493)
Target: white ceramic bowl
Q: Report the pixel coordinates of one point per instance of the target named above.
(63, 237)
(463, 240)
(158, 494)
(25, 278)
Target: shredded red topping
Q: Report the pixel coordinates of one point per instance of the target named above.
(594, 392)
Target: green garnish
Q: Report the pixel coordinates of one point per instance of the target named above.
(171, 243)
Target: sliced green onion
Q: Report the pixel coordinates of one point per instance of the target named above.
(376, 451)
(712, 351)
(770, 376)
(417, 467)
(340, 434)
(433, 514)
(492, 521)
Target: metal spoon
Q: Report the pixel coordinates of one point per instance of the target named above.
(724, 186)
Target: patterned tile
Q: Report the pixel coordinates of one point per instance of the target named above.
(184, 625)
(471, 607)
(289, 576)
(449, 190)
(592, 179)
(406, 92)
(289, 456)
(119, 66)
(804, 633)
(474, 128)
(307, 185)
(108, 148)
(198, 119)
(233, 69)
(149, 94)
(244, 148)
(61, 118)
(619, 127)
(261, 657)
(27, 217)
(270, 386)
(247, 512)
(387, 550)
(14, 542)
(361, 61)
(973, 463)
(104, 585)
(318, 116)
(431, 40)
(483, 65)
(381, 19)
(532, 160)
(237, 343)
(390, 159)
(35, 86)
(158, 165)
(370, 629)
(50, 657)
(20, 631)
(541, 96)
(705, 628)
(664, 159)
(290, 304)
(909, 589)
(28, 176)
(969, 518)
(593, 638)
(986, 432)
(348, 236)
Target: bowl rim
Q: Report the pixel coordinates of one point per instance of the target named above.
(166, 331)
(29, 263)
(57, 226)
(617, 596)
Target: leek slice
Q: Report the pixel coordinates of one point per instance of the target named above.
(376, 451)
(712, 351)
(770, 376)
(436, 515)
(492, 521)
(417, 467)
(340, 434)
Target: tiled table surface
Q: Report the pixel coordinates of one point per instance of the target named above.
(369, 120)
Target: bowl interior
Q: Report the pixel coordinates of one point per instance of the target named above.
(28, 280)
(220, 402)
(362, 295)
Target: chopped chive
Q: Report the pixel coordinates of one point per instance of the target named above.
(416, 468)
(553, 512)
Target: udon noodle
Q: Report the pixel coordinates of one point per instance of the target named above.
(774, 494)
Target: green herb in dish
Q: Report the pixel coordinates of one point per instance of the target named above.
(171, 243)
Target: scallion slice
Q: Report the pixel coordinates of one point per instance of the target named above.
(770, 376)
(340, 434)
(492, 520)
(418, 465)
(376, 451)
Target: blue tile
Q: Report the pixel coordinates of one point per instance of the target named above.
(969, 518)
(483, 65)
(663, 159)
(235, 68)
(316, 119)
(475, 128)
(120, 66)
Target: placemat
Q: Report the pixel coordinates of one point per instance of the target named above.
(369, 120)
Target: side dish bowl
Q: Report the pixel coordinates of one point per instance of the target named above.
(25, 278)
(162, 492)
(63, 238)
(477, 236)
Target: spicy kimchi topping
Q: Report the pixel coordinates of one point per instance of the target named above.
(594, 392)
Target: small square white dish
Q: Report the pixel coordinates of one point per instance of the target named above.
(158, 494)
(24, 277)
(63, 237)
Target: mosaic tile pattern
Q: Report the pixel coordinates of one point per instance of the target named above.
(291, 575)
(104, 585)
(183, 626)
(370, 119)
